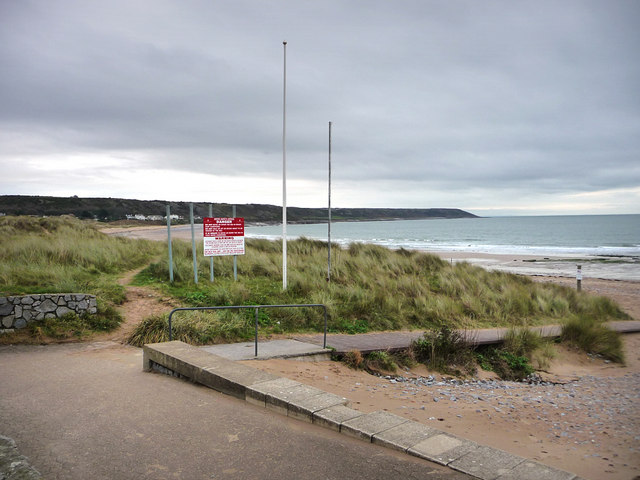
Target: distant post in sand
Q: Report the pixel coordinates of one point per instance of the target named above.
(579, 278)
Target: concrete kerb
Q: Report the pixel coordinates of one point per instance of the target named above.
(486, 463)
(442, 448)
(529, 470)
(310, 404)
(404, 436)
(370, 424)
(334, 417)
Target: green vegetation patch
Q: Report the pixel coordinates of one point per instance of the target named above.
(445, 350)
(372, 288)
(70, 326)
(195, 328)
(66, 255)
(378, 362)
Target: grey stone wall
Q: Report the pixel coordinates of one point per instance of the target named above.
(17, 312)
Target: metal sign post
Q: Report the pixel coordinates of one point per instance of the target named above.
(193, 246)
(211, 258)
(169, 243)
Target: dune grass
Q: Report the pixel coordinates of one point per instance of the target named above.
(66, 255)
(592, 336)
(372, 289)
(62, 254)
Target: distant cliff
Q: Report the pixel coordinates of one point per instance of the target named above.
(113, 209)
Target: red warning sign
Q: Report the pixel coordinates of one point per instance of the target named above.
(223, 236)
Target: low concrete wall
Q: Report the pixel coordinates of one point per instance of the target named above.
(18, 311)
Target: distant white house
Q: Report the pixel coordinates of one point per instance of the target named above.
(151, 218)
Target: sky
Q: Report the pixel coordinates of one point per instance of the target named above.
(495, 107)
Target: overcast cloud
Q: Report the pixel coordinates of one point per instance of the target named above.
(496, 107)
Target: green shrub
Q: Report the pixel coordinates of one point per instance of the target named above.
(353, 359)
(195, 328)
(444, 350)
(505, 364)
(380, 361)
(522, 342)
(69, 326)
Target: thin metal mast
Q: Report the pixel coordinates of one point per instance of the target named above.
(284, 171)
(329, 224)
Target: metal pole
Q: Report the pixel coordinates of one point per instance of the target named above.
(235, 257)
(329, 223)
(256, 348)
(324, 341)
(193, 246)
(211, 258)
(284, 171)
(169, 242)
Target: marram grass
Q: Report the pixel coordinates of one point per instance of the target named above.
(65, 255)
(62, 254)
(372, 288)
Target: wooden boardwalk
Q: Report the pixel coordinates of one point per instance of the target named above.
(393, 341)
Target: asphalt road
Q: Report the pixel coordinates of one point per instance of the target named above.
(85, 411)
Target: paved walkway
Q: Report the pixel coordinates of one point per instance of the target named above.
(88, 411)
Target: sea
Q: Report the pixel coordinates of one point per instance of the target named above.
(605, 246)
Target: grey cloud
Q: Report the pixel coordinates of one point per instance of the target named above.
(458, 95)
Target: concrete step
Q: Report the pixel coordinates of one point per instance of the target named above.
(270, 349)
(310, 404)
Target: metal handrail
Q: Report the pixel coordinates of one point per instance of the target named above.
(257, 308)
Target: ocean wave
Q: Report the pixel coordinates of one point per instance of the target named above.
(434, 246)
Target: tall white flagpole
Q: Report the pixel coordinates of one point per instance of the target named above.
(329, 209)
(284, 171)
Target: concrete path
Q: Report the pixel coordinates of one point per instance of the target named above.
(88, 411)
(270, 349)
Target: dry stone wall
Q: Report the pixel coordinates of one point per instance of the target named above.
(18, 311)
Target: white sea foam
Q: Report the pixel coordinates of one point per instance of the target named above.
(565, 237)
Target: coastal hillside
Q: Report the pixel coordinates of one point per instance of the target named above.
(114, 209)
